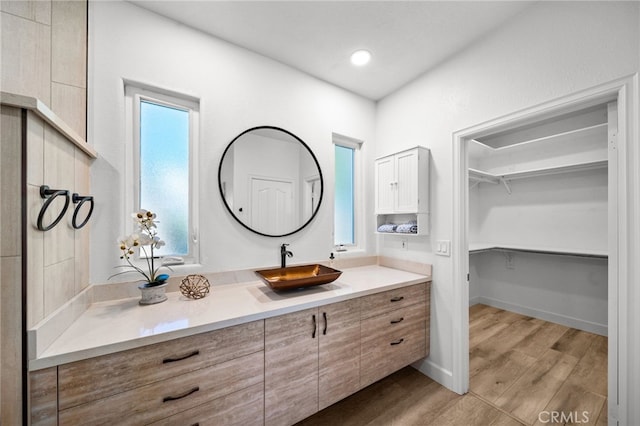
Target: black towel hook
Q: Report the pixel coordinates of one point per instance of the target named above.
(50, 194)
(80, 200)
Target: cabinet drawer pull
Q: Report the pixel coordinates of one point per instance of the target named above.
(324, 315)
(189, 355)
(313, 335)
(397, 298)
(397, 342)
(187, 393)
(396, 321)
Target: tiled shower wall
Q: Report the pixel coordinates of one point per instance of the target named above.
(44, 55)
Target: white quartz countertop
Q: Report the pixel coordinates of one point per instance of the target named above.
(113, 326)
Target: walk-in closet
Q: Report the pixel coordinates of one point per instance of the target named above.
(538, 262)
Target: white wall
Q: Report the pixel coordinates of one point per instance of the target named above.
(550, 50)
(563, 289)
(566, 211)
(237, 90)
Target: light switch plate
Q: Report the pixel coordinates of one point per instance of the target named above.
(443, 248)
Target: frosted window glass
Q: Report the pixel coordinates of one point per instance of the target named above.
(344, 215)
(164, 173)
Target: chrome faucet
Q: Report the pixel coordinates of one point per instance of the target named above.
(283, 255)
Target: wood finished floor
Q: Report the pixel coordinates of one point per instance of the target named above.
(519, 367)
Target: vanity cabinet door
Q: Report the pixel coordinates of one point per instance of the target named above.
(43, 401)
(291, 367)
(339, 360)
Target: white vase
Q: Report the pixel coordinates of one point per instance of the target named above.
(152, 294)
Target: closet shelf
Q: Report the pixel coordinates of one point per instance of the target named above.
(583, 132)
(482, 247)
(486, 177)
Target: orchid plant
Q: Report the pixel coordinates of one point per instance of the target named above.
(146, 239)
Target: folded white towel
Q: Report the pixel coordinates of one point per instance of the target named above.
(407, 228)
(387, 227)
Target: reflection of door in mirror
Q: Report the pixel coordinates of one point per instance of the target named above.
(311, 196)
(271, 205)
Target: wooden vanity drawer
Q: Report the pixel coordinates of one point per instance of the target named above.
(162, 399)
(385, 355)
(100, 377)
(380, 303)
(392, 325)
(242, 408)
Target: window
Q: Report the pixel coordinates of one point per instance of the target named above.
(163, 145)
(345, 201)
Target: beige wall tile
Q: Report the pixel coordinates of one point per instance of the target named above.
(59, 285)
(10, 336)
(24, 9)
(59, 173)
(26, 57)
(70, 104)
(42, 9)
(82, 187)
(38, 10)
(35, 259)
(35, 149)
(69, 43)
(11, 125)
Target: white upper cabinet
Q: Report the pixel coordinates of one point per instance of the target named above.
(402, 182)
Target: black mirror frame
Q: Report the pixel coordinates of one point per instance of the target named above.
(312, 156)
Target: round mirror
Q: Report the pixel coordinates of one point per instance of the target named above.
(270, 181)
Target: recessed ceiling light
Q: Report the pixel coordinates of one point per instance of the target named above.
(360, 57)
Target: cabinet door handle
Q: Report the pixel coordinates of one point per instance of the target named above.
(397, 342)
(189, 355)
(187, 393)
(313, 335)
(396, 321)
(396, 298)
(324, 315)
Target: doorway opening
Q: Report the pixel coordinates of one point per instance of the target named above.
(505, 250)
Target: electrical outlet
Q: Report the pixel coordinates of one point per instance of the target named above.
(443, 248)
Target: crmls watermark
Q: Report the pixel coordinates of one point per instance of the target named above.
(562, 417)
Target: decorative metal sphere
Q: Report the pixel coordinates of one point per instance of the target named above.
(195, 286)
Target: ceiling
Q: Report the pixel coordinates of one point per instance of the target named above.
(406, 38)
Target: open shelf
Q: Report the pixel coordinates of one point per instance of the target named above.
(563, 251)
(422, 220)
(597, 130)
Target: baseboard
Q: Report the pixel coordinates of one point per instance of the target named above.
(568, 321)
(475, 300)
(435, 372)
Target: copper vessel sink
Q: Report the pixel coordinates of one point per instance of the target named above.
(298, 276)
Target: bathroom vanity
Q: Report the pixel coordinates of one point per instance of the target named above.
(243, 355)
